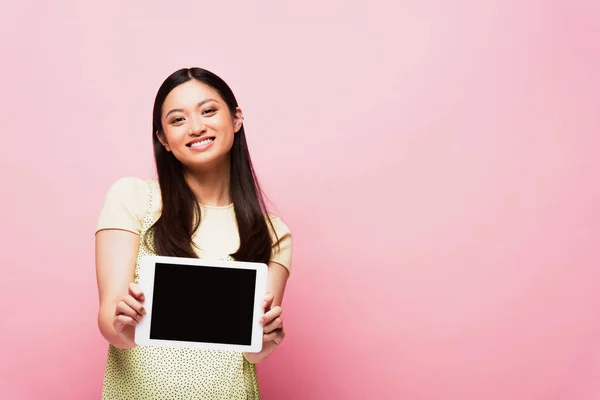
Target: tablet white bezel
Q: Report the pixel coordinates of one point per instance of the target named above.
(146, 282)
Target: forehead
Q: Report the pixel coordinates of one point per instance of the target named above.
(189, 94)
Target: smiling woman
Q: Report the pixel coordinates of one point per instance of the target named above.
(206, 203)
(188, 125)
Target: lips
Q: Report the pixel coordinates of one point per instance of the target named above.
(201, 141)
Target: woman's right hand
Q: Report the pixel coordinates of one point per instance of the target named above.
(129, 312)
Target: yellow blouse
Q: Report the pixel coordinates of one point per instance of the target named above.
(152, 372)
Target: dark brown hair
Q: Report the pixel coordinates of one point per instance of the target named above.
(180, 217)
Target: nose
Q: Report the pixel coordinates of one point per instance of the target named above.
(197, 126)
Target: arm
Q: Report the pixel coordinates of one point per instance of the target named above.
(277, 280)
(116, 252)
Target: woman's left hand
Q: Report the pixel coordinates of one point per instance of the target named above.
(273, 333)
(272, 322)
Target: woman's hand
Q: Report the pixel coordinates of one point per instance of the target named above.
(272, 322)
(273, 333)
(129, 313)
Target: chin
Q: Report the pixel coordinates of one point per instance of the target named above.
(209, 162)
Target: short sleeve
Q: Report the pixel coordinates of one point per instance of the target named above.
(125, 205)
(282, 244)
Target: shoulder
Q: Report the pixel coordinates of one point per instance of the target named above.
(130, 185)
(279, 226)
(281, 236)
(125, 204)
(131, 189)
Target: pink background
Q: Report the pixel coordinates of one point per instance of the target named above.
(436, 161)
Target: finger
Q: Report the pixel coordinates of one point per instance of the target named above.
(275, 324)
(124, 309)
(269, 316)
(268, 300)
(134, 304)
(125, 320)
(279, 338)
(275, 336)
(135, 291)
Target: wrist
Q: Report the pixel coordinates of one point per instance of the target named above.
(253, 358)
(125, 339)
(122, 340)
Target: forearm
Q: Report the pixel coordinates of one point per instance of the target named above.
(122, 340)
(278, 275)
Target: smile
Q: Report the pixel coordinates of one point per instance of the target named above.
(200, 143)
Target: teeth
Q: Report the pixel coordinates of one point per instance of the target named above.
(202, 143)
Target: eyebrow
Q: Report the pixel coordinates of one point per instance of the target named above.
(197, 105)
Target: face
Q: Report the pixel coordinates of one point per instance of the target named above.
(198, 127)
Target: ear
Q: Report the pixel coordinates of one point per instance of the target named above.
(161, 137)
(238, 119)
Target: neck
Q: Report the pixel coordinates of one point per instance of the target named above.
(211, 186)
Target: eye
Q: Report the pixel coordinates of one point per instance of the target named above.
(177, 120)
(208, 111)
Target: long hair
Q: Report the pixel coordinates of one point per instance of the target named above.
(180, 217)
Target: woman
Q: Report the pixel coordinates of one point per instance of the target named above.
(206, 203)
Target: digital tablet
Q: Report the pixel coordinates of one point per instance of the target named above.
(198, 303)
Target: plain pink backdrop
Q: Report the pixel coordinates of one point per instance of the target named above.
(436, 161)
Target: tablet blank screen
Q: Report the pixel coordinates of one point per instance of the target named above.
(203, 304)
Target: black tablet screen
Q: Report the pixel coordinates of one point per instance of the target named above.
(203, 304)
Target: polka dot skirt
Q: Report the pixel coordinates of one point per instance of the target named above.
(164, 373)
